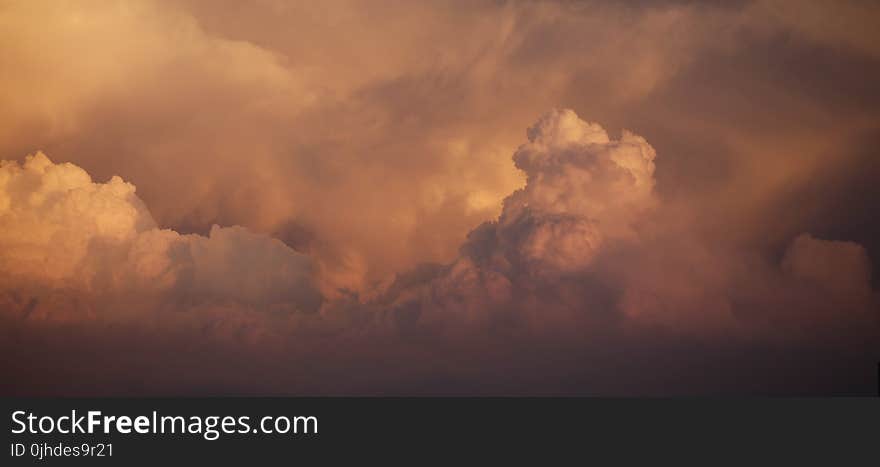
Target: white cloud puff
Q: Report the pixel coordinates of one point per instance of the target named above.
(50, 214)
(583, 189)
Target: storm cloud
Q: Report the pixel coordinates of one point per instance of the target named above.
(341, 198)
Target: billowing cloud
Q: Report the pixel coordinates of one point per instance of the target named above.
(62, 231)
(582, 189)
(584, 253)
(358, 156)
(285, 118)
(587, 240)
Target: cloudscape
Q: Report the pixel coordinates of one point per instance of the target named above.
(421, 198)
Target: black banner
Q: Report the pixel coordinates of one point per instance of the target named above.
(412, 431)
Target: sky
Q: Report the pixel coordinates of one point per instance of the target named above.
(439, 198)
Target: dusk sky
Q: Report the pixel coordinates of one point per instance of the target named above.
(204, 197)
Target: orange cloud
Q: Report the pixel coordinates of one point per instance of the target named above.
(358, 159)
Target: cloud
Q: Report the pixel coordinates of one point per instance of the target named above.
(583, 260)
(62, 231)
(373, 142)
(581, 189)
(282, 118)
(586, 244)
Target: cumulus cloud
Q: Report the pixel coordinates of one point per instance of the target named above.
(587, 244)
(360, 149)
(582, 189)
(281, 118)
(584, 257)
(59, 230)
